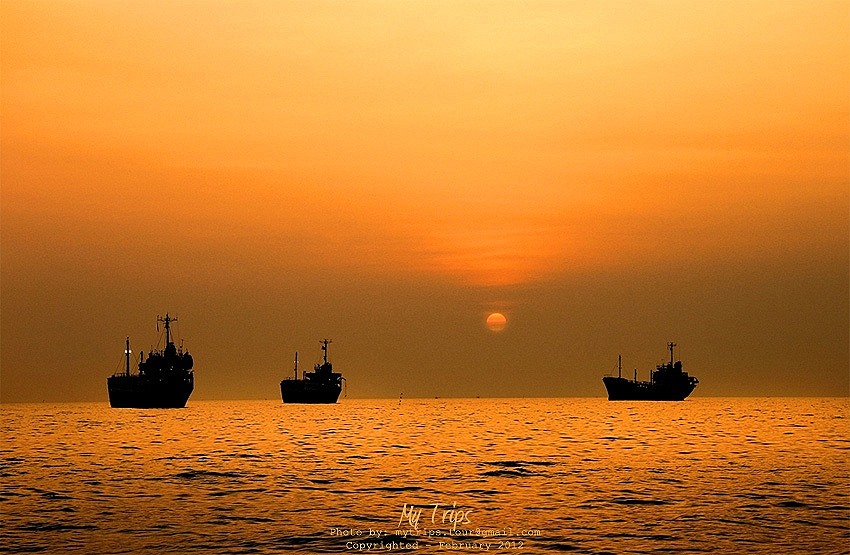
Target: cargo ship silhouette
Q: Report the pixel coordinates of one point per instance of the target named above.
(668, 382)
(165, 379)
(322, 385)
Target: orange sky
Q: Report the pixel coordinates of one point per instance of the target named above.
(388, 172)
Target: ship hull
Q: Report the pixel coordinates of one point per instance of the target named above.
(136, 392)
(621, 389)
(300, 391)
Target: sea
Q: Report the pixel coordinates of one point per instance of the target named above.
(707, 475)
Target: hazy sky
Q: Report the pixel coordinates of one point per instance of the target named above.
(609, 175)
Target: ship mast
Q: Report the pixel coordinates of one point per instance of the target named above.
(296, 365)
(127, 355)
(167, 321)
(670, 346)
(324, 343)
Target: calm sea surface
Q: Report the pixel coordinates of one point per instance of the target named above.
(512, 475)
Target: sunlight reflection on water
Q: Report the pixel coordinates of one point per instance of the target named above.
(527, 475)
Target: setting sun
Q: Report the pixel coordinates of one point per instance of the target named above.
(496, 321)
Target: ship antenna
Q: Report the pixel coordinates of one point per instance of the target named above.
(296, 365)
(127, 355)
(324, 343)
(619, 366)
(167, 321)
(670, 346)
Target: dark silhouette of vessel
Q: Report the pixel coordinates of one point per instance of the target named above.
(322, 385)
(165, 379)
(666, 383)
